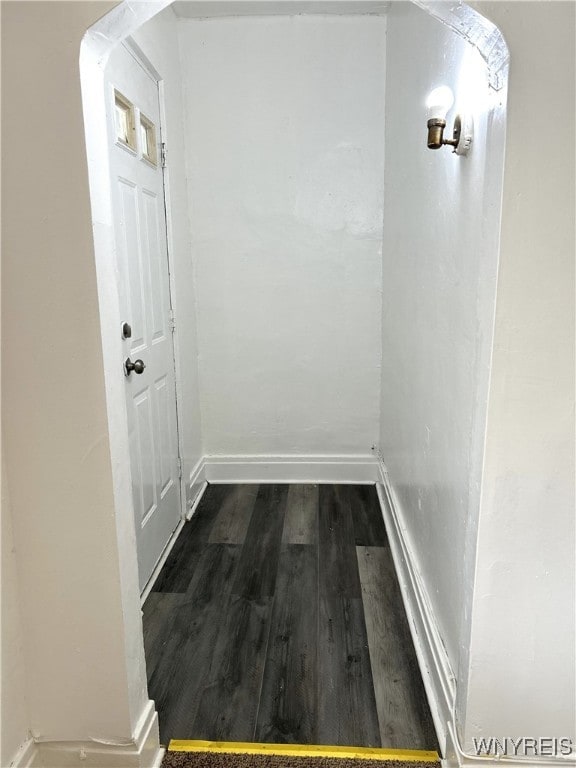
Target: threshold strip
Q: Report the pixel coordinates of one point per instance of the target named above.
(303, 750)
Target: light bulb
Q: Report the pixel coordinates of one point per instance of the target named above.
(439, 102)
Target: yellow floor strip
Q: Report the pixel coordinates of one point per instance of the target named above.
(304, 750)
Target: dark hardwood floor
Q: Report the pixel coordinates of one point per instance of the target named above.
(278, 617)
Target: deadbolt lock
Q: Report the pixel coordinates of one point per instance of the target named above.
(126, 331)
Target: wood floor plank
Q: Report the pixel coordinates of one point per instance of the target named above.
(338, 565)
(158, 615)
(346, 705)
(233, 517)
(188, 641)
(288, 702)
(228, 703)
(259, 562)
(179, 567)
(369, 528)
(284, 642)
(403, 712)
(301, 521)
(181, 563)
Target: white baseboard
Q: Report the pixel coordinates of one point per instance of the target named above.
(144, 751)
(196, 500)
(437, 675)
(27, 756)
(291, 469)
(435, 667)
(196, 486)
(456, 758)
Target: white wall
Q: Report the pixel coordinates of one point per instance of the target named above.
(522, 660)
(14, 714)
(492, 534)
(439, 265)
(158, 40)
(284, 133)
(84, 662)
(55, 422)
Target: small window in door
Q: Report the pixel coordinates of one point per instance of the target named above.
(125, 122)
(148, 139)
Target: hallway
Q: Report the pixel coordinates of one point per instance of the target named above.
(277, 617)
(453, 374)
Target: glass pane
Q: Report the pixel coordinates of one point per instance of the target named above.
(124, 120)
(148, 139)
(144, 140)
(122, 123)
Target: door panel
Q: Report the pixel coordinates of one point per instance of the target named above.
(157, 274)
(130, 277)
(144, 445)
(163, 418)
(144, 290)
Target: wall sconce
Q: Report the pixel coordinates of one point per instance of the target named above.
(439, 102)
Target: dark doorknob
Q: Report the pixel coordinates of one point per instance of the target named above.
(137, 366)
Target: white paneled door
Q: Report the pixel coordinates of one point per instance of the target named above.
(144, 290)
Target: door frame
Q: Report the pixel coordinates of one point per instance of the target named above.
(138, 56)
(97, 45)
(135, 51)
